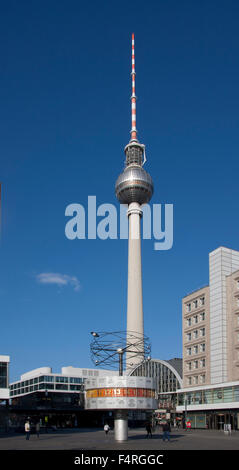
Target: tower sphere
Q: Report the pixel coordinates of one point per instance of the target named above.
(134, 185)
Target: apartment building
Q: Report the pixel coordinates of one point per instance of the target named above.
(210, 319)
(196, 340)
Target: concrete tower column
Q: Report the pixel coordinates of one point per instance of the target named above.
(135, 321)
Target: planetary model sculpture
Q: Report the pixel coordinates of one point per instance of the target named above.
(108, 349)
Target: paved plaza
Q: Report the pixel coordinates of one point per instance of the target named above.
(95, 439)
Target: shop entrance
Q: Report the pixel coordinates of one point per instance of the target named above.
(220, 421)
(224, 418)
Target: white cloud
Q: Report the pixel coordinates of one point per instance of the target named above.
(59, 280)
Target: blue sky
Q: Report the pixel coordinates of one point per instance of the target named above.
(64, 122)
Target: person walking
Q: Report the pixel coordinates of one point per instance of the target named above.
(148, 429)
(188, 425)
(106, 429)
(166, 431)
(27, 429)
(38, 429)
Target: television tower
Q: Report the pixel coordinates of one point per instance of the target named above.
(134, 187)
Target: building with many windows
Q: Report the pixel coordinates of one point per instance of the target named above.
(4, 377)
(4, 390)
(51, 398)
(196, 340)
(210, 318)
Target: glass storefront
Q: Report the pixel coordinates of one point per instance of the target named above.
(218, 415)
(210, 396)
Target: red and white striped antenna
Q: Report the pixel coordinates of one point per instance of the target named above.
(133, 131)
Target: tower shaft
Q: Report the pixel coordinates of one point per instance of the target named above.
(135, 320)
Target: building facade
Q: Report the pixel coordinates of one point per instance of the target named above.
(4, 391)
(4, 377)
(210, 318)
(51, 398)
(196, 340)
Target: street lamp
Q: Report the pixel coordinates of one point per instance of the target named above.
(186, 404)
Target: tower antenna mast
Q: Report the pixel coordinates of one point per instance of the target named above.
(133, 131)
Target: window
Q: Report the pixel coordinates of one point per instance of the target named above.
(188, 308)
(202, 300)
(202, 347)
(75, 387)
(46, 378)
(195, 349)
(217, 395)
(228, 395)
(202, 316)
(62, 379)
(195, 364)
(236, 393)
(189, 380)
(189, 336)
(196, 379)
(202, 332)
(195, 334)
(197, 398)
(49, 378)
(195, 303)
(3, 375)
(45, 386)
(61, 386)
(195, 318)
(189, 351)
(189, 322)
(202, 378)
(189, 366)
(75, 380)
(202, 363)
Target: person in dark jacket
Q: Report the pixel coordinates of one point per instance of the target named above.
(166, 431)
(149, 429)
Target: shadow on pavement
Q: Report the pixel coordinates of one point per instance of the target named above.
(154, 437)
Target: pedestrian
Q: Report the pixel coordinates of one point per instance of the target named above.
(188, 424)
(166, 431)
(27, 429)
(106, 429)
(148, 429)
(38, 428)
